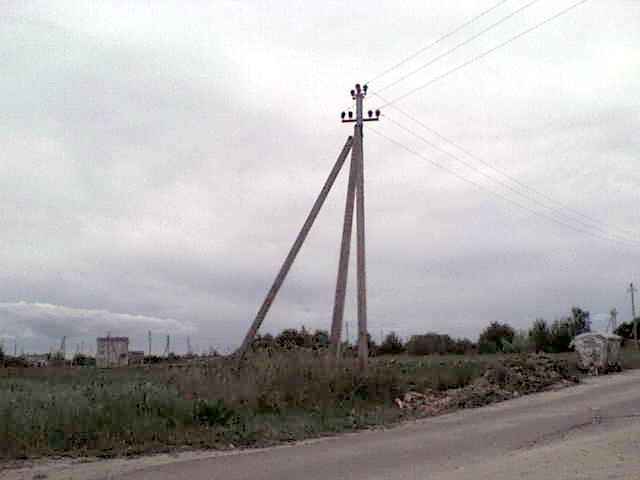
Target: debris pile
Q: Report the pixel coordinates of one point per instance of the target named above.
(512, 377)
(430, 402)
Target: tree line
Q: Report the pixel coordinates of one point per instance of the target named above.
(497, 337)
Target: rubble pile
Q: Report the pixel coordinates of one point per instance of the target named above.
(512, 377)
(430, 402)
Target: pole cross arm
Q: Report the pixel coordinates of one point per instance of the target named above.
(364, 120)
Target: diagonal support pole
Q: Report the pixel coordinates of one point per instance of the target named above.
(343, 265)
(295, 248)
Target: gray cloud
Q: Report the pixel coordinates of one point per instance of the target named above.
(164, 171)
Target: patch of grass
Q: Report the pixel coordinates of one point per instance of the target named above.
(630, 356)
(86, 412)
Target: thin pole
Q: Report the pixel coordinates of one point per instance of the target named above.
(277, 283)
(343, 265)
(632, 290)
(363, 344)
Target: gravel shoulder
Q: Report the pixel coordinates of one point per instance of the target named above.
(608, 451)
(544, 435)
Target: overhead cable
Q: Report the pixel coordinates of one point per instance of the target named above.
(456, 47)
(483, 54)
(498, 194)
(571, 213)
(435, 42)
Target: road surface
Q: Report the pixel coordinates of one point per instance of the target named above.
(540, 436)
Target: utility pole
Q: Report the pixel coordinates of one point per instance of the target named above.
(346, 326)
(167, 347)
(149, 338)
(355, 198)
(632, 290)
(109, 347)
(613, 320)
(356, 182)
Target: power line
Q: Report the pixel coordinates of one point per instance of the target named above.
(456, 47)
(499, 181)
(489, 165)
(484, 54)
(593, 223)
(435, 42)
(493, 192)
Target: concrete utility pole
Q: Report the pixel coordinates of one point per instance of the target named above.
(356, 182)
(613, 320)
(355, 197)
(167, 347)
(632, 290)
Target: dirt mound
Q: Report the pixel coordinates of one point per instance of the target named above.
(512, 377)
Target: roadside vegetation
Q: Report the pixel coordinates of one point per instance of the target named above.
(282, 392)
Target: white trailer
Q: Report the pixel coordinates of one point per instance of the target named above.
(597, 352)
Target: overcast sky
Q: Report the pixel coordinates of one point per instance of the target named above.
(158, 159)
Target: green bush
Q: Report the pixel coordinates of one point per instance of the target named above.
(392, 345)
(493, 338)
(206, 413)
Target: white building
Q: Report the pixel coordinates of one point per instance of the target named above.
(112, 352)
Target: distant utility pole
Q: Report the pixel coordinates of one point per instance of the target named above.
(167, 348)
(149, 335)
(632, 290)
(189, 350)
(346, 326)
(355, 197)
(613, 320)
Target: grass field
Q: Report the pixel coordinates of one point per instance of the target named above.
(273, 398)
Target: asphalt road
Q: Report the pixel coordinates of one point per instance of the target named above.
(439, 447)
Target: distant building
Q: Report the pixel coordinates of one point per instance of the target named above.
(37, 360)
(112, 352)
(136, 357)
